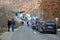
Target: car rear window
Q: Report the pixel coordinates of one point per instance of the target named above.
(50, 23)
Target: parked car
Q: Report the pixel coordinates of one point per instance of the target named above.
(46, 26)
(35, 25)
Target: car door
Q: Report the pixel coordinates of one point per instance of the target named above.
(40, 27)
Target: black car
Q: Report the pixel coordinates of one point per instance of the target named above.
(35, 25)
(46, 26)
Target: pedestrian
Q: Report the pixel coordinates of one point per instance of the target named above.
(9, 24)
(13, 23)
(22, 23)
(28, 24)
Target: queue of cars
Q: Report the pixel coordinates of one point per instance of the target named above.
(44, 26)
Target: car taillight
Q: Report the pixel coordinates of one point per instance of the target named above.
(44, 26)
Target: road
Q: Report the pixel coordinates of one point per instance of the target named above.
(24, 33)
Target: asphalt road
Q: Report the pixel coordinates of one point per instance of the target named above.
(25, 33)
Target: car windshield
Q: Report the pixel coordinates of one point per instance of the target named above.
(50, 23)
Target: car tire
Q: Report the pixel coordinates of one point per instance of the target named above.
(55, 32)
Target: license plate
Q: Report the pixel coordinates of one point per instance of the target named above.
(50, 27)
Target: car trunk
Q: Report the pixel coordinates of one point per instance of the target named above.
(50, 26)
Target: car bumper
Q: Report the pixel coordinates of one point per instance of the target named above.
(50, 30)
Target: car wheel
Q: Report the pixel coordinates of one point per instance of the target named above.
(55, 32)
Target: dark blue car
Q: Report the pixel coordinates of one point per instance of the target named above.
(46, 26)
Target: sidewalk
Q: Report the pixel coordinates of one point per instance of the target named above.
(5, 35)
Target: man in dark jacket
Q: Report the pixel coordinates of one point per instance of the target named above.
(9, 24)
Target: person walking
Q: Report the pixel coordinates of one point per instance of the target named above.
(13, 23)
(9, 24)
(22, 23)
(28, 24)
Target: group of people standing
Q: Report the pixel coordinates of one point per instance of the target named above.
(11, 23)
